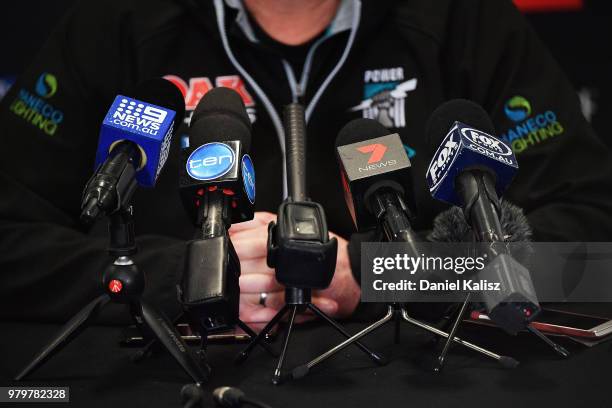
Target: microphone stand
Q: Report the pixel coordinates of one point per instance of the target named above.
(293, 242)
(203, 268)
(481, 204)
(392, 211)
(124, 283)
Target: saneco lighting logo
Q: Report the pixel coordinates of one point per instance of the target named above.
(517, 109)
(210, 161)
(46, 86)
(486, 142)
(139, 116)
(442, 159)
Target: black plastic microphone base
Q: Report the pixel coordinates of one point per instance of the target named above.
(298, 300)
(396, 313)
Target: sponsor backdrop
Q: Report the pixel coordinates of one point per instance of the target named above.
(577, 32)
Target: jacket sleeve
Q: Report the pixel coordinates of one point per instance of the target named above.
(49, 122)
(564, 181)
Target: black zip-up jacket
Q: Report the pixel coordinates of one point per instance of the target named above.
(395, 61)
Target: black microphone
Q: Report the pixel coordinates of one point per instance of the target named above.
(299, 247)
(217, 186)
(134, 143)
(192, 396)
(471, 168)
(231, 397)
(377, 180)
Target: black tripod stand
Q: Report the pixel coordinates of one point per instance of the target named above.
(124, 283)
(393, 215)
(397, 313)
(560, 350)
(297, 301)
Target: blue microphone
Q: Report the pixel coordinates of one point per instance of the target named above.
(471, 168)
(466, 147)
(147, 120)
(133, 146)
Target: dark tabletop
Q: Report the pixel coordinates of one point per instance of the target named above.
(100, 373)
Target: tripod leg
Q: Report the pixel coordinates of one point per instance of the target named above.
(163, 329)
(252, 335)
(377, 359)
(398, 322)
(66, 334)
(506, 361)
(301, 371)
(151, 345)
(451, 335)
(262, 334)
(557, 347)
(276, 379)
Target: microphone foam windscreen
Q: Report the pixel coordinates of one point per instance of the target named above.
(450, 225)
(161, 92)
(359, 130)
(220, 116)
(456, 110)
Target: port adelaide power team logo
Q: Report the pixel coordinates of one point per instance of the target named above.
(384, 96)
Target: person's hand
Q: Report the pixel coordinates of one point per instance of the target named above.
(250, 241)
(343, 290)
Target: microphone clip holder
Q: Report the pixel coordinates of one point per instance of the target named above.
(299, 248)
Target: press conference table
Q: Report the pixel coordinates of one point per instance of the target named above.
(100, 373)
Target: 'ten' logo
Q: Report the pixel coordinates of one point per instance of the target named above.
(378, 151)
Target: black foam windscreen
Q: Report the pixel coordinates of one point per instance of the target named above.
(220, 116)
(455, 110)
(451, 226)
(359, 130)
(161, 92)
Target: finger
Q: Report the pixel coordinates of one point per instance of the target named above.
(258, 317)
(327, 305)
(250, 245)
(261, 218)
(257, 265)
(257, 283)
(274, 300)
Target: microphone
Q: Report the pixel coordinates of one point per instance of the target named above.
(217, 158)
(217, 185)
(471, 168)
(376, 176)
(231, 397)
(192, 396)
(133, 146)
(299, 247)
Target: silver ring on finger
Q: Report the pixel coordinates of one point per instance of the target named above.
(263, 296)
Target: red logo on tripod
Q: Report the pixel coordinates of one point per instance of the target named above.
(378, 151)
(115, 286)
